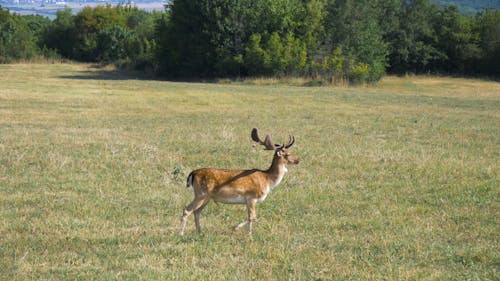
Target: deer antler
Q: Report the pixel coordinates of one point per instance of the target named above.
(288, 145)
(267, 143)
(290, 142)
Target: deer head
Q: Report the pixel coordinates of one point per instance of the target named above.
(283, 155)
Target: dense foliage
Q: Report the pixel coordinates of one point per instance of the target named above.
(21, 37)
(329, 40)
(121, 34)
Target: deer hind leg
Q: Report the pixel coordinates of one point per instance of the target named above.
(197, 213)
(194, 205)
(240, 225)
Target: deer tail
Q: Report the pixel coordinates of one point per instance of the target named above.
(190, 179)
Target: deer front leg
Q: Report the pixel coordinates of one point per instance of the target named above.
(251, 214)
(251, 203)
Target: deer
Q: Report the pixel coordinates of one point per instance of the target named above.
(247, 187)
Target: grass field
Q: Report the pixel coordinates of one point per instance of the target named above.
(398, 181)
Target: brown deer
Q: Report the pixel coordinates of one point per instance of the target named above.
(237, 186)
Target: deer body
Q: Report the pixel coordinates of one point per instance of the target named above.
(236, 186)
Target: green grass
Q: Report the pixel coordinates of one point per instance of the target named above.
(397, 182)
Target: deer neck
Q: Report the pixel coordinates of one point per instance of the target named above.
(276, 172)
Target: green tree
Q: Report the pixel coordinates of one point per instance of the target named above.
(37, 25)
(89, 23)
(141, 46)
(287, 55)
(61, 34)
(312, 29)
(257, 60)
(457, 40)
(120, 34)
(353, 26)
(188, 40)
(488, 25)
(17, 41)
(210, 37)
(112, 43)
(415, 44)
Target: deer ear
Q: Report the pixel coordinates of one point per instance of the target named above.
(278, 153)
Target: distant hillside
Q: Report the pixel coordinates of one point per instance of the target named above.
(471, 7)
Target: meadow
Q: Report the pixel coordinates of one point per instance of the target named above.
(398, 181)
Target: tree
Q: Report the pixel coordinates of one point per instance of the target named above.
(312, 29)
(210, 37)
(89, 23)
(122, 35)
(457, 40)
(61, 35)
(189, 37)
(257, 60)
(353, 27)
(414, 46)
(17, 41)
(112, 44)
(488, 24)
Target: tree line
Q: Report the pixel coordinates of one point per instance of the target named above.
(356, 41)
